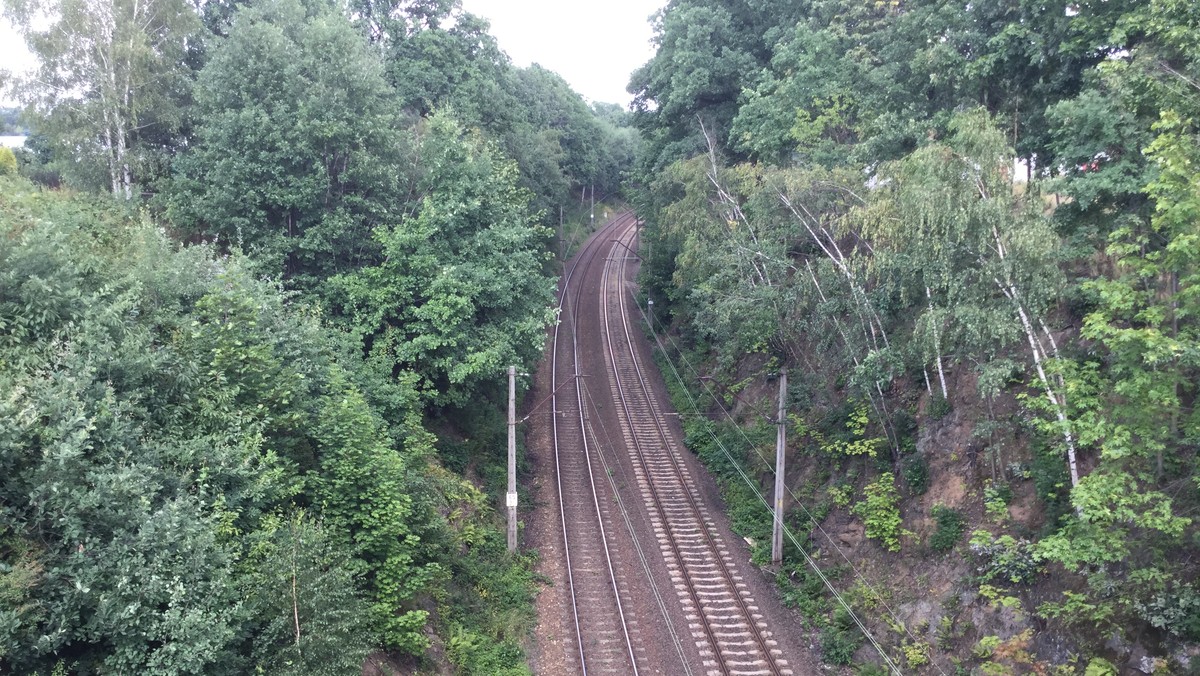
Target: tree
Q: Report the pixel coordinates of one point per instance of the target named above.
(109, 73)
(297, 153)
(971, 248)
(462, 292)
(300, 589)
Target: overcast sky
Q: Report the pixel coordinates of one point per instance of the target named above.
(13, 55)
(594, 47)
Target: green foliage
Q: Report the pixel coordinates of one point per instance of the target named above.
(840, 495)
(840, 640)
(939, 407)
(1004, 558)
(169, 413)
(995, 501)
(1098, 666)
(916, 474)
(853, 441)
(8, 162)
(325, 139)
(109, 85)
(839, 645)
(950, 527)
(365, 495)
(880, 512)
(801, 589)
(461, 292)
(300, 584)
(1051, 482)
(1175, 609)
(987, 646)
(916, 655)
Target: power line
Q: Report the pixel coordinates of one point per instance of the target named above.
(764, 501)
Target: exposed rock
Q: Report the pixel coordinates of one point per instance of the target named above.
(1187, 656)
(1142, 661)
(851, 535)
(1118, 645)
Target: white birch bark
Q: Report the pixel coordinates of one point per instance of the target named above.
(937, 345)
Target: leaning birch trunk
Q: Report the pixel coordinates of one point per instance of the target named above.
(110, 157)
(122, 158)
(1057, 401)
(866, 314)
(937, 345)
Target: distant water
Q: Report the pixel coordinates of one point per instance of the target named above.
(12, 141)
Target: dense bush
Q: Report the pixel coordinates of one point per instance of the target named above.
(880, 512)
(192, 477)
(916, 474)
(840, 639)
(1004, 557)
(950, 526)
(8, 161)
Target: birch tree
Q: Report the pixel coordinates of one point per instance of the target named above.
(953, 228)
(108, 71)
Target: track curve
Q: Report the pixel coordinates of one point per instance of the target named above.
(649, 584)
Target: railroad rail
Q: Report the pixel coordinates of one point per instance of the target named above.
(723, 618)
(605, 642)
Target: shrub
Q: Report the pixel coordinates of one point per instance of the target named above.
(840, 495)
(1004, 557)
(1175, 610)
(1052, 484)
(880, 512)
(916, 474)
(8, 162)
(838, 645)
(950, 526)
(916, 654)
(939, 407)
(995, 500)
(1098, 666)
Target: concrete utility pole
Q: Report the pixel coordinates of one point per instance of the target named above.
(512, 459)
(780, 443)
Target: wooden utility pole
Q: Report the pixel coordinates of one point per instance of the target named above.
(780, 444)
(511, 498)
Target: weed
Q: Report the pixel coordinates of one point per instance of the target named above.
(950, 527)
(880, 512)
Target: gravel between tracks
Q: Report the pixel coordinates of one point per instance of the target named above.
(553, 649)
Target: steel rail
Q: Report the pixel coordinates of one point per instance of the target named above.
(587, 256)
(695, 514)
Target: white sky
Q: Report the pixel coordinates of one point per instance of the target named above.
(13, 55)
(592, 47)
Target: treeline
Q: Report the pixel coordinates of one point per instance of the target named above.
(249, 349)
(898, 200)
(10, 121)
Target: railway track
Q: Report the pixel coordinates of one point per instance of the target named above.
(604, 640)
(619, 473)
(723, 619)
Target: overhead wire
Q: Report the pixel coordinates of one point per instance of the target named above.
(675, 640)
(754, 488)
(879, 597)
